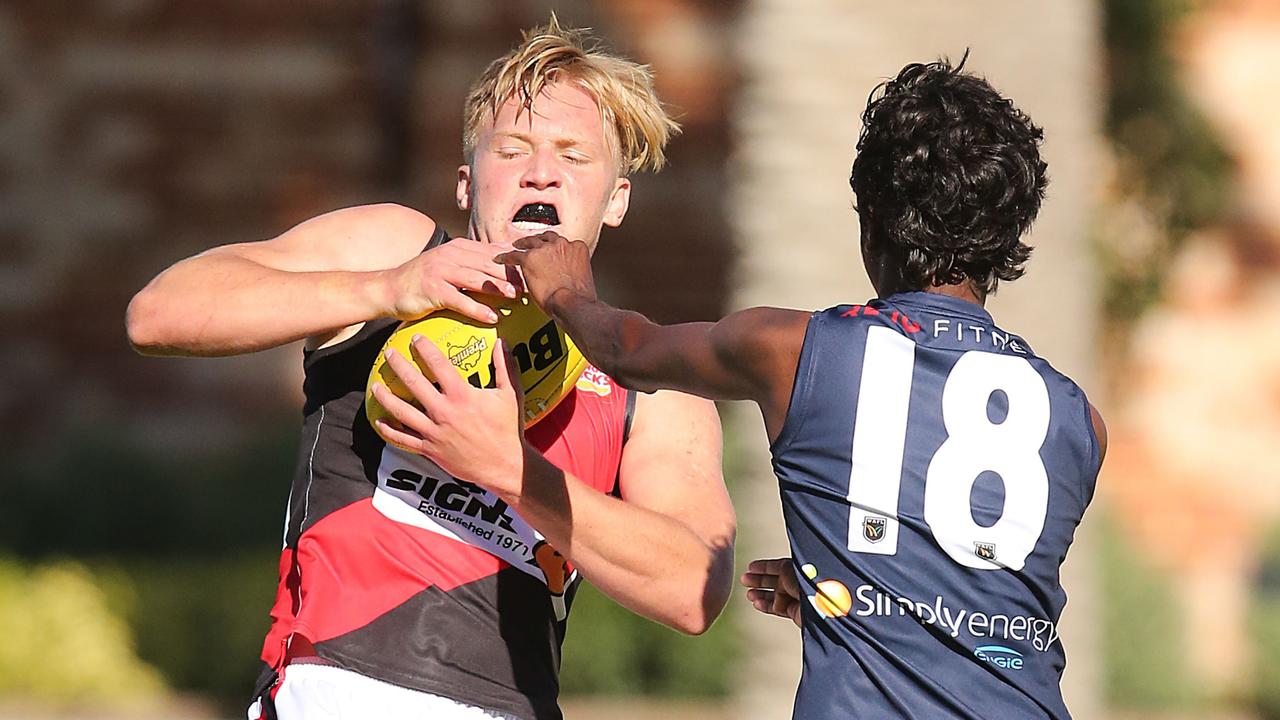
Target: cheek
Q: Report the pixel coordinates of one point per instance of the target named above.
(592, 190)
(488, 194)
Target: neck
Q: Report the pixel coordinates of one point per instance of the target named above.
(885, 274)
(964, 291)
(473, 229)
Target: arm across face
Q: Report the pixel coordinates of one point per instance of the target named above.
(749, 355)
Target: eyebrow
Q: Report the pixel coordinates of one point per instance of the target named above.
(562, 143)
(513, 136)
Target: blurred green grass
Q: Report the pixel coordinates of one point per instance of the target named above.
(1264, 622)
(1144, 649)
(608, 650)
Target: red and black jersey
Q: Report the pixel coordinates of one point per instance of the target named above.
(398, 571)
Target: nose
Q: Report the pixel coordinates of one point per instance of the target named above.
(541, 172)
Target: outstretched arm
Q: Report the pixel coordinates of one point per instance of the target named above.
(337, 270)
(749, 355)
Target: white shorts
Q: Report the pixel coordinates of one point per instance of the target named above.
(323, 692)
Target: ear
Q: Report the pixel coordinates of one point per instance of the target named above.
(619, 201)
(463, 192)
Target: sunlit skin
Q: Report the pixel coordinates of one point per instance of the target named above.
(559, 153)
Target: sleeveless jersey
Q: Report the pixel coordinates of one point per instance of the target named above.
(933, 471)
(398, 571)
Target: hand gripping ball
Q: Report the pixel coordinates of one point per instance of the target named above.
(548, 361)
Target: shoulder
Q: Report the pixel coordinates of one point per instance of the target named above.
(671, 413)
(1099, 431)
(760, 324)
(760, 333)
(673, 425)
(1069, 388)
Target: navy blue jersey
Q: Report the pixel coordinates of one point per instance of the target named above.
(933, 471)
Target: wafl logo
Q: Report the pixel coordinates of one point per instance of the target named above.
(985, 550)
(873, 528)
(558, 572)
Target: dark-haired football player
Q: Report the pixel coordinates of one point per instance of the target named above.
(933, 467)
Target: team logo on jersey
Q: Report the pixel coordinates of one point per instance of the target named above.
(466, 356)
(873, 528)
(592, 380)
(986, 551)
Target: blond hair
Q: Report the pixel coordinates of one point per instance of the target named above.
(622, 89)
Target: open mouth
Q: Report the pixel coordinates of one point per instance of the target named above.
(536, 216)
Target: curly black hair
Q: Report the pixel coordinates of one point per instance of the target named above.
(948, 177)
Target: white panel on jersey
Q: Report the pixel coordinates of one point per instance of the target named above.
(879, 436)
(415, 491)
(974, 444)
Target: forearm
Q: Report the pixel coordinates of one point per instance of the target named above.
(610, 338)
(700, 358)
(650, 563)
(223, 304)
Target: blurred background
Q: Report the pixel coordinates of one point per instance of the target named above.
(141, 500)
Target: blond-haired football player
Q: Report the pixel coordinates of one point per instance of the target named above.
(404, 591)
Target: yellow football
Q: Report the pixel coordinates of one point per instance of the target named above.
(548, 361)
